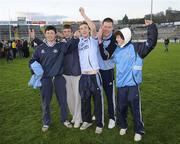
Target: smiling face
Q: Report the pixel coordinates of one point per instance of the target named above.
(107, 28)
(119, 40)
(67, 33)
(50, 35)
(84, 30)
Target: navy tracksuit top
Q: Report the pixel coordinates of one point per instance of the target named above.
(71, 64)
(47, 56)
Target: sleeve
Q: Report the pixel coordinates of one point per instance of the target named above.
(65, 48)
(143, 49)
(113, 57)
(101, 49)
(107, 53)
(34, 58)
(71, 45)
(37, 41)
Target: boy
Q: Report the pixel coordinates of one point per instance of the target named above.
(128, 57)
(107, 44)
(72, 74)
(46, 54)
(90, 81)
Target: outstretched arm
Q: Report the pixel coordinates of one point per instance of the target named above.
(89, 22)
(152, 34)
(143, 49)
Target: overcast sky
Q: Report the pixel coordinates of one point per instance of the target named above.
(95, 9)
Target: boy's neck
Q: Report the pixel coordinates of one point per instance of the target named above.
(51, 43)
(107, 37)
(85, 37)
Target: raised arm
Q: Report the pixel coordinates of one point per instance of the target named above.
(143, 49)
(89, 22)
(34, 38)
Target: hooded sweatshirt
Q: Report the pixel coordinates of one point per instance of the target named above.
(129, 57)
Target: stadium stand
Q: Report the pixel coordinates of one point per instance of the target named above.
(139, 31)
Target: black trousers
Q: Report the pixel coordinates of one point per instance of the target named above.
(90, 85)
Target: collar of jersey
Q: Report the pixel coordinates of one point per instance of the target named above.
(45, 41)
(107, 38)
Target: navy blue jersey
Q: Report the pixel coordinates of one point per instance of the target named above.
(47, 56)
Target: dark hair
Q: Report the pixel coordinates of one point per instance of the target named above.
(67, 26)
(118, 33)
(50, 28)
(108, 20)
(147, 17)
(84, 23)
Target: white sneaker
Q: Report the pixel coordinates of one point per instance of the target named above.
(85, 125)
(93, 118)
(137, 137)
(67, 124)
(76, 124)
(45, 128)
(98, 130)
(122, 131)
(72, 121)
(111, 124)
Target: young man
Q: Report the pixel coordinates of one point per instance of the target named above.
(90, 81)
(107, 46)
(46, 54)
(72, 74)
(128, 57)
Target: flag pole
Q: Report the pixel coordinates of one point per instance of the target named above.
(9, 25)
(151, 9)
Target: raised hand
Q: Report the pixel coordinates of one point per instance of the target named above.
(77, 34)
(148, 22)
(32, 34)
(89, 22)
(99, 35)
(81, 10)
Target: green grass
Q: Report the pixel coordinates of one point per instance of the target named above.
(20, 106)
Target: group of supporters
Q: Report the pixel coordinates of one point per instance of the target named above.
(10, 49)
(82, 65)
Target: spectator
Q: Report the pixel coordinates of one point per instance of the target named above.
(13, 45)
(25, 49)
(166, 43)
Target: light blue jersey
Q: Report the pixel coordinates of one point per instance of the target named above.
(88, 54)
(105, 64)
(128, 66)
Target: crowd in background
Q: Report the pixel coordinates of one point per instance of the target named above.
(14, 48)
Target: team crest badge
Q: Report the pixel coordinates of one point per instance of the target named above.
(55, 51)
(42, 51)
